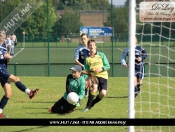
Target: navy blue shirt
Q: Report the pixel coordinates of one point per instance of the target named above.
(81, 53)
(139, 52)
(3, 61)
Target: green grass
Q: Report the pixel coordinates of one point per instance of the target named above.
(155, 101)
(61, 58)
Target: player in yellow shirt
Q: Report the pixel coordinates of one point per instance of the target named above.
(96, 65)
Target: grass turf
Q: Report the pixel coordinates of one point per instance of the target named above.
(155, 101)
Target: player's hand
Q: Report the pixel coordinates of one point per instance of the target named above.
(125, 66)
(7, 56)
(82, 66)
(97, 70)
(85, 72)
(139, 59)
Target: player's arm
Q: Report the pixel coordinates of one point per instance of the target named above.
(7, 56)
(68, 90)
(81, 89)
(106, 65)
(76, 58)
(77, 62)
(144, 54)
(86, 67)
(123, 57)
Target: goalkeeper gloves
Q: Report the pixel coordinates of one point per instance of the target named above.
(77, 104)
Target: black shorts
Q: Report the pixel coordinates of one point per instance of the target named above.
(139, 73)
(102, 83)
(4, 75)
(62, 107)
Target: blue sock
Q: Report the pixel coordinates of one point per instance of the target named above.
(3, 102)
(21, 86)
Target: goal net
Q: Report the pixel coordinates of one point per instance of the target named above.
(157, 36)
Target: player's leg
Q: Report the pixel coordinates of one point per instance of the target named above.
(12, 50)
(92, 84)
(56, 108)
(86, 91)
(92, 93)
(5, 98)
(100, 96)
(140, 78)
(103, 86)
(68, 108)
(8, 49)
(62, 106)
(137, 74)
(22, 87)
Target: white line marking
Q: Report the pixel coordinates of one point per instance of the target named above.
(17, 53)
(120, 49)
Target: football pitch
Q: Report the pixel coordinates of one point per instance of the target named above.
(33, 59)
(37, 52)
(156, 100)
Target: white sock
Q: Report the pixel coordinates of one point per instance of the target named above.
(27, 91)
(1, 110)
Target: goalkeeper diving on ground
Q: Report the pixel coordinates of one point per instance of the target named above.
(74, 83)
(140, 55)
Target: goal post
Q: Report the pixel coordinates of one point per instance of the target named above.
(131, 66)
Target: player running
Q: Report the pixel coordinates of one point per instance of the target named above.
(5, 77)
(96, 65)
(81, 52)
(140, 55)
(74, 83)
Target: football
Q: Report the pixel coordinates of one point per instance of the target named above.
(72, 98)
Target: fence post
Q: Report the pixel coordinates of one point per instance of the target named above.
(48, 37)
(15, 69)
(112, 24)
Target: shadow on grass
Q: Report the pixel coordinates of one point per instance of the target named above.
(29, 129)
(116, 97)
(43, 102)
(34, 108)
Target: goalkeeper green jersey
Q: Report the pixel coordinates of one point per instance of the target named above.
(75, 85)
(98, 61)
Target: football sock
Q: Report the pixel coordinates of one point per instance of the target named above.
(136, 91)
(90, 98)
(27, 91)
(138, 87)
(86, 91)
(96, 100)
(3, 102)
(21, 86)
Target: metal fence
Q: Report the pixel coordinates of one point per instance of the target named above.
(50, 52)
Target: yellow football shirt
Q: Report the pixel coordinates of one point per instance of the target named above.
(98, 61)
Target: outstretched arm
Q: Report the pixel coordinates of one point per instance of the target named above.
(123, 57)
(68, 90)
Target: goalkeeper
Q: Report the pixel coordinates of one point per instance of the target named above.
(140, 55)
(74, 83)
(96, 65)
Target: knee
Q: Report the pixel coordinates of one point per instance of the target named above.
(16, 79)
(102, 94)
(140, 81)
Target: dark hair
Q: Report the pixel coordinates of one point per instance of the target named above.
(84, 34)
(91, 41)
